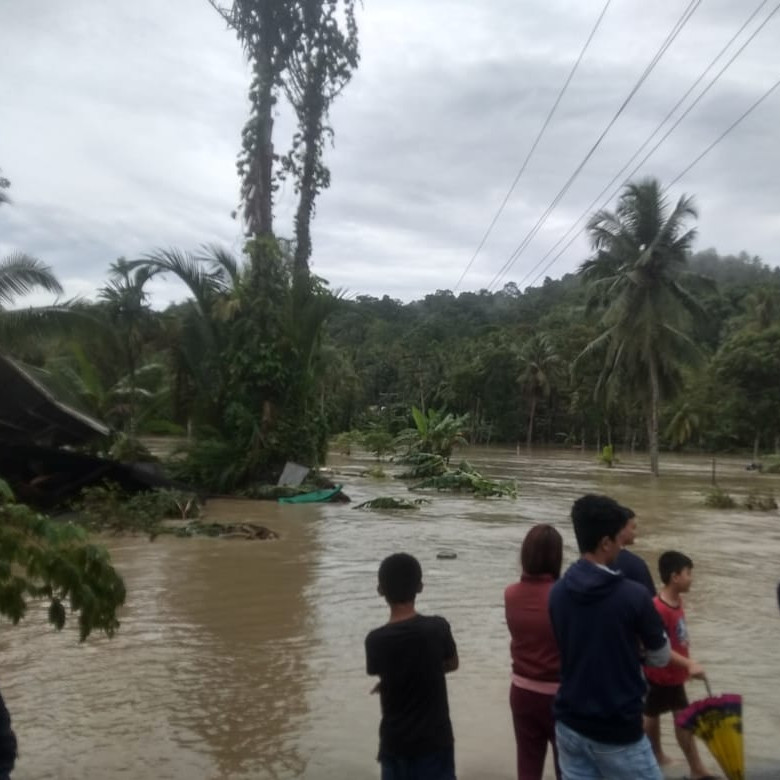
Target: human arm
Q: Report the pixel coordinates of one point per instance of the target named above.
(450, 660)
(372, 661)
(652, 633)
(694, 669)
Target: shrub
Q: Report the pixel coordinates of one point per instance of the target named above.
(107, 507)
(759, 503)
(717, 498)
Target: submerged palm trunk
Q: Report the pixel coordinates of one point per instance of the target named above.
(652, 422)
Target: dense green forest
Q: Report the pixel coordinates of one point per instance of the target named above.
(494, 356)
(509, 360)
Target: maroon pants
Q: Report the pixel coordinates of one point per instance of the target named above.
(532, 714)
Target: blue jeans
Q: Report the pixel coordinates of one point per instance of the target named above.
(585, 759)
(432, 766)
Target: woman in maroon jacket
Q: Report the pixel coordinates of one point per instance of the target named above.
(535, 661)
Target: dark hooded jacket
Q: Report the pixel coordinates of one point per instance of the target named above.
(7, 742)
(602, 623)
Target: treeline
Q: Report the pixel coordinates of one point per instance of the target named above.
(497, 356)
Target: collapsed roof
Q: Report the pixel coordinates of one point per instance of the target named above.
(30, 413)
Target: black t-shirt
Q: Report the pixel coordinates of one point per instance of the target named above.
(634, 568)
(409, 658)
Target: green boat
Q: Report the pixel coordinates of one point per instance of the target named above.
(315, 496)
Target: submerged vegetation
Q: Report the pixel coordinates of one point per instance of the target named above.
(466, 479)
(717, 498)
(389, 502)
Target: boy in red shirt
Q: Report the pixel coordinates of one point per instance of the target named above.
(667, 684)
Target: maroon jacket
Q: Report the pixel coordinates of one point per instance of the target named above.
(534, 649)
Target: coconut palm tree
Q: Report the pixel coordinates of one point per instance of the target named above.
(541, 368)
(637, 279)
(21, 274)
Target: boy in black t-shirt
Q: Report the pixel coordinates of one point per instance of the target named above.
(411, 655)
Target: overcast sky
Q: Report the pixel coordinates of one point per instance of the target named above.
(120, 123)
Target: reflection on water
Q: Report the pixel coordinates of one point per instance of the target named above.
(245, 659)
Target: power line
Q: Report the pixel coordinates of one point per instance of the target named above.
(725, 133)
(546, 122)
(677, 178)
(665, 136)
(679, 25)
(655, 148)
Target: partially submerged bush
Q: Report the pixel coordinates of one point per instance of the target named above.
(345, 441)
(422, 465)
(760, 503)
(108, 508)
(607, 456)
(379, 442)
(467, 479)
(717, 498)
(389, 502)
(771, 465)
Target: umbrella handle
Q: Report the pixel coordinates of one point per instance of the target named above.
(707, 686)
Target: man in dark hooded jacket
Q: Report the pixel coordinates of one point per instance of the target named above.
(606, 627)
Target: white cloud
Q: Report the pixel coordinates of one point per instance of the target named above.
(121, 124)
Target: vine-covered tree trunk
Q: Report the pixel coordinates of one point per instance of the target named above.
(312, 139)
(255, 166)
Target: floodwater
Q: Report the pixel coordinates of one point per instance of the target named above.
(242, 660)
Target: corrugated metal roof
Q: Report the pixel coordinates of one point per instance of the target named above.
(29, 411)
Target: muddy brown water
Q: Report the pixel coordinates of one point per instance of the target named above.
(245, 659)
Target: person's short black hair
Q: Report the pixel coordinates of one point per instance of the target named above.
(595, 517)
(400, 577)
(672, 562)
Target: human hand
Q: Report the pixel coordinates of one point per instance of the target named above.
(696, 671)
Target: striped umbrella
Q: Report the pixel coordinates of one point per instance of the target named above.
(717, 721)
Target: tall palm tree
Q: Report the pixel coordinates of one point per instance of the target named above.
(637, 278)
(541, 370)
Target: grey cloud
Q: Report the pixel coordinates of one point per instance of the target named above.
(125, 122)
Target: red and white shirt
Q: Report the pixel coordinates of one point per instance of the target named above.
(677, 631)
